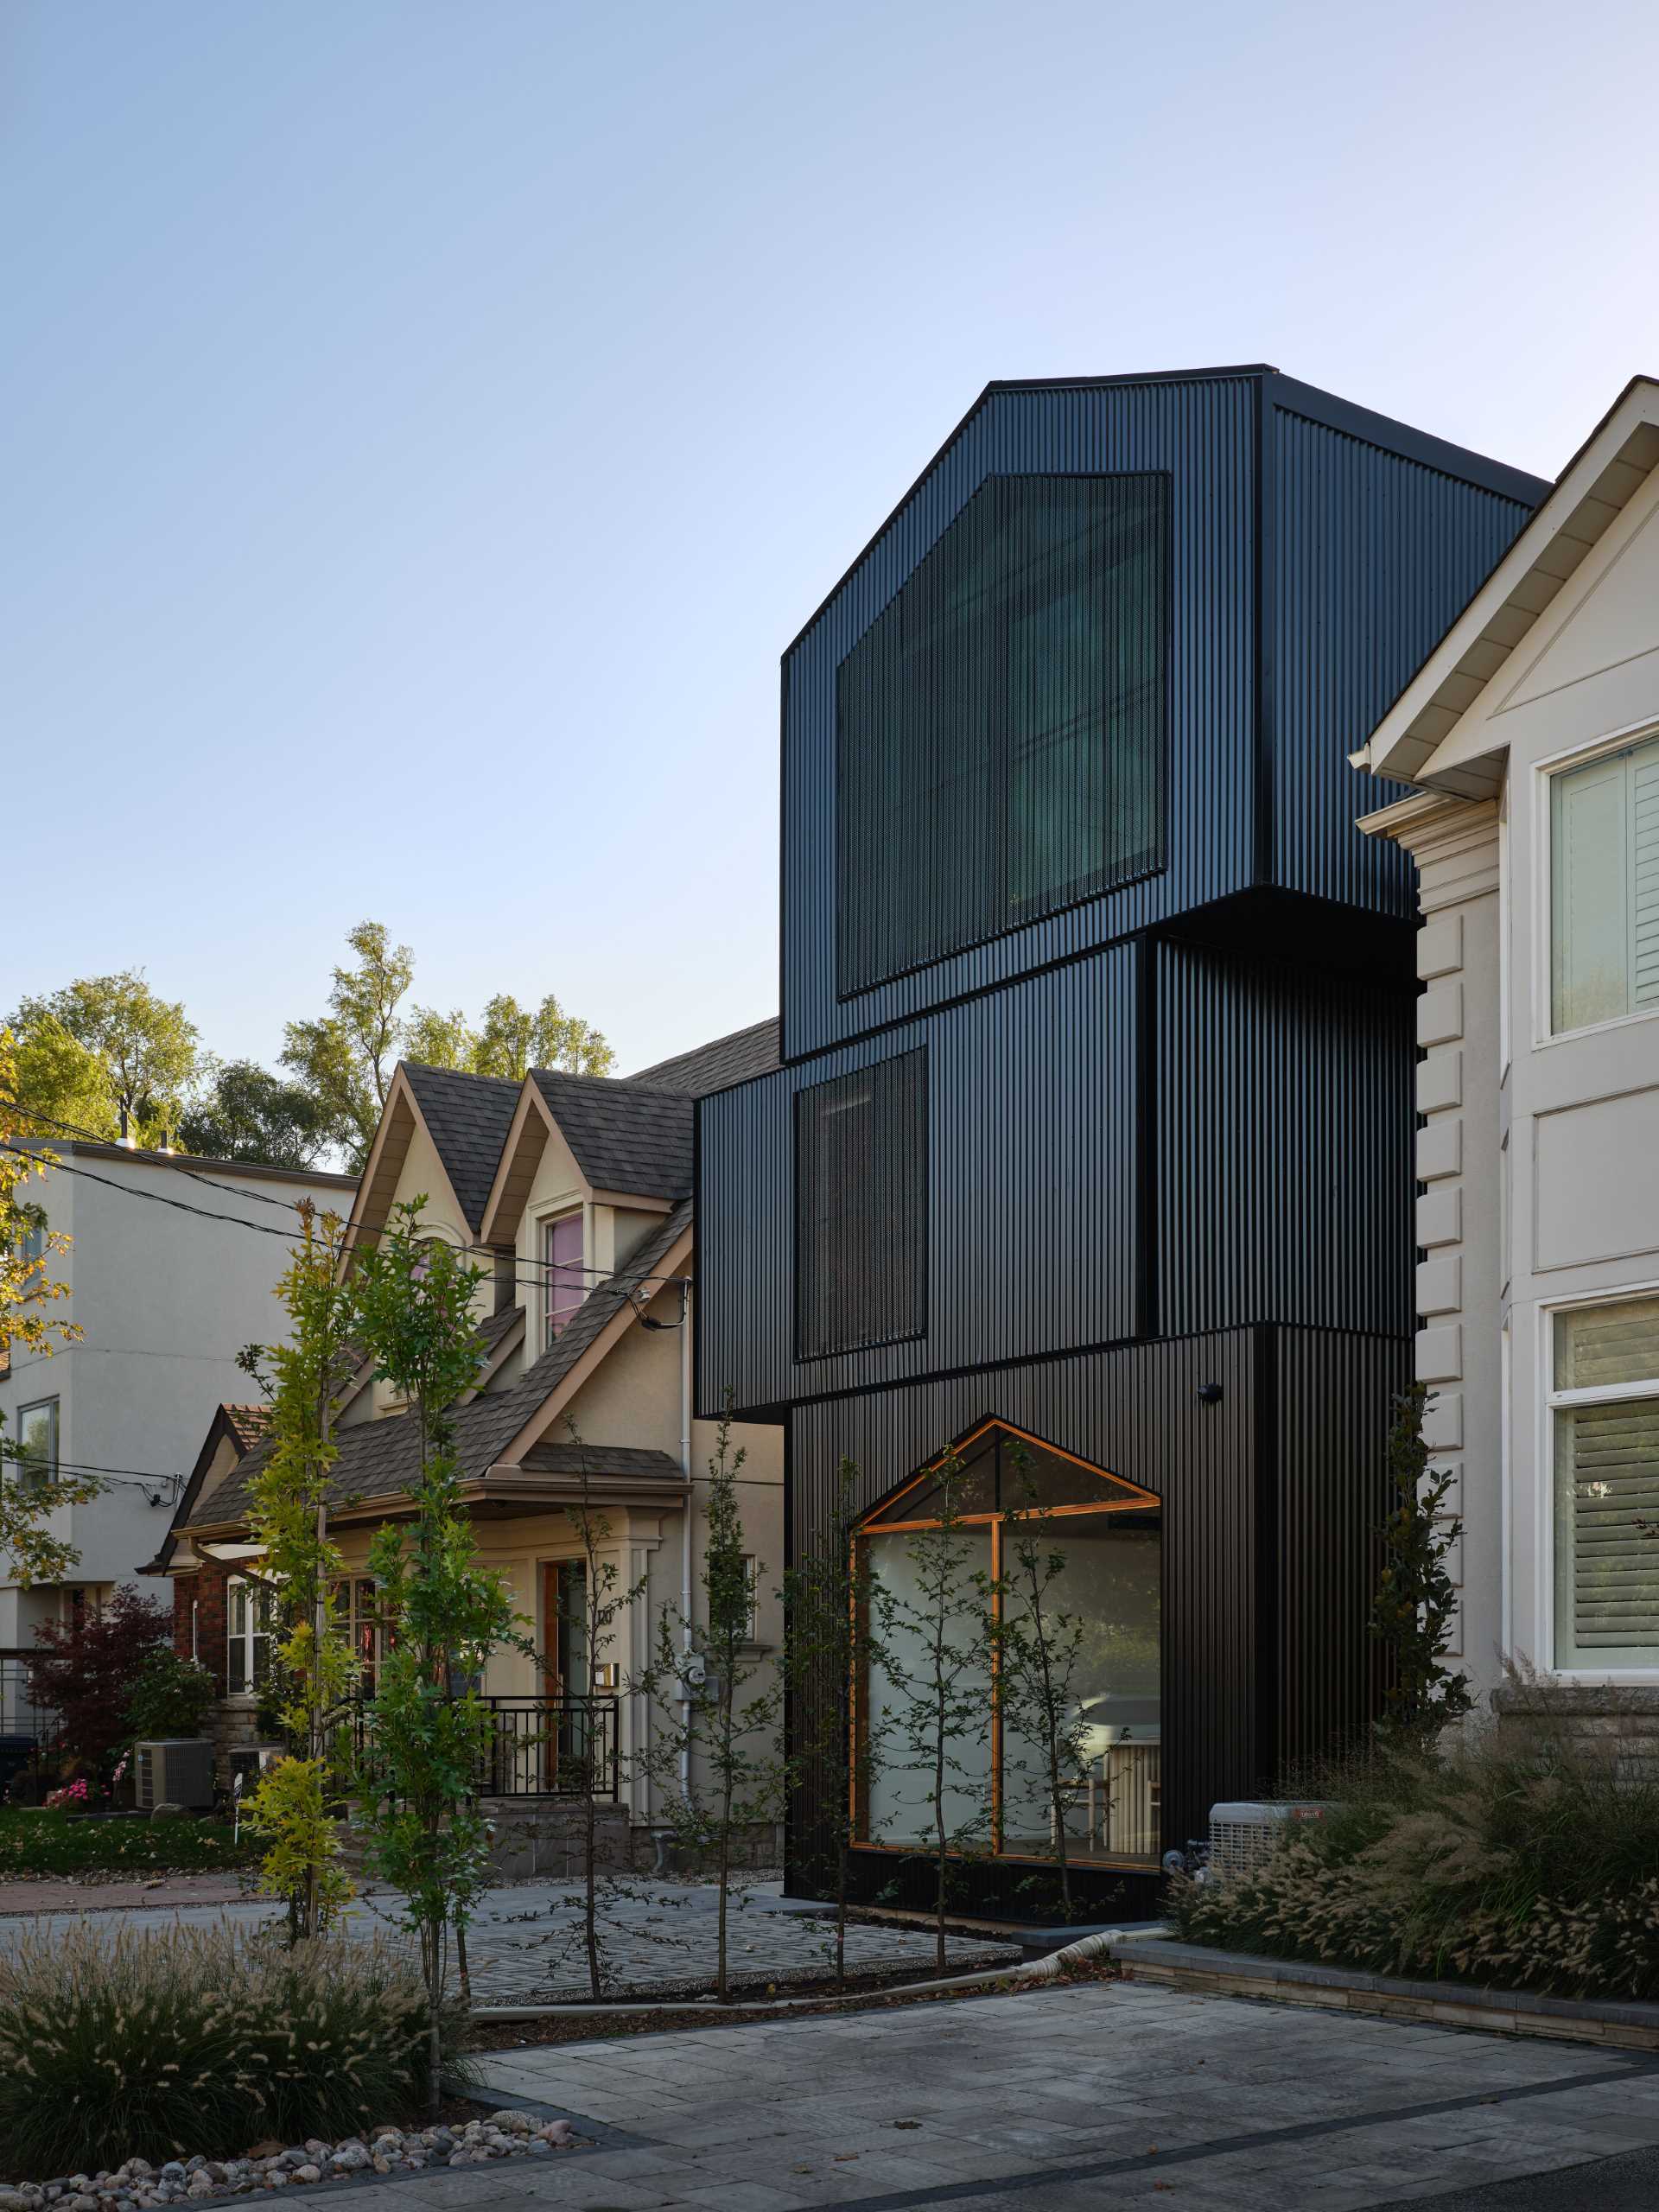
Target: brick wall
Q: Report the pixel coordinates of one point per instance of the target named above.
(1614, 1721)
(205, 1589)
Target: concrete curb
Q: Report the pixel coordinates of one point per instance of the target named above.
(1625, 2027)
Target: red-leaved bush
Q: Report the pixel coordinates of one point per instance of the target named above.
(86, 1672)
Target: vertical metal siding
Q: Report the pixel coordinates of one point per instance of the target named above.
(1373, 556)
(1200, 431)
(1032, 1232)
(1335, 1394)
(1283, 1144)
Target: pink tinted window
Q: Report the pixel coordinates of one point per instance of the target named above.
(567, 1286)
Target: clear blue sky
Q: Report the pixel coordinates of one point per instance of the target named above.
(421, 426)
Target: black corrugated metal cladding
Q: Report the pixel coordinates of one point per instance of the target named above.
(1284, 1112)
(1373, 554)
(1032, 1196)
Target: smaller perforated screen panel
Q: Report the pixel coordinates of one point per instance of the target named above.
(860, 1207)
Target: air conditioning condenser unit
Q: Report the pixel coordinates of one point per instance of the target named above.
(178, 1771)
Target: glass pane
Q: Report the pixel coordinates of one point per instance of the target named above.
(1590, 930)
(238, 1610)
(1600, 1346)
(901, 1798)
(567, 1284)
(37, 1437)
(571, 1654)
(1606, 1556)
(1100, 1618)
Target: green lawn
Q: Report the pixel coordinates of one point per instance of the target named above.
(50, 1843)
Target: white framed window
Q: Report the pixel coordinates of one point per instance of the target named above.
(247, 1635)
(565, 1279)
(1603, 1413)
(37, 1445)
(1603, 888)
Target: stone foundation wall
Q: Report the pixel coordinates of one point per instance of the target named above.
(1609, 1721)
(545, 1836)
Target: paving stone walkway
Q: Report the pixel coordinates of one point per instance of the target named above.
(524, 1946)
(1063, 2100)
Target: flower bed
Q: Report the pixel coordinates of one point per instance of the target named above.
(1523, 1865)
(137, 2183)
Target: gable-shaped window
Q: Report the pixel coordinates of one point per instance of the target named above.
(1052, 1562)
(860, 1208)
(1000, 726)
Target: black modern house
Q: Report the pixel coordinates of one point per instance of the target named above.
(1092, 1138)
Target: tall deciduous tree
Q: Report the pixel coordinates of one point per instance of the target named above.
(246, 1113)
(289, 1517)
(347, 1057)
(31, 1489)
(143, 1053)
(445, 1614)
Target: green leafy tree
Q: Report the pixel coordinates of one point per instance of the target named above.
(831, 1626)
(1039, 1654)
(446, 1615)
(246, 1113)
(1415, 1601)
(935, 1627)
(348, 1057)
(288, 1515)
(32, 1488)
(141, 1053)
(730, 1700)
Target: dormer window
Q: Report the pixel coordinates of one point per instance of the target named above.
(564, 1276)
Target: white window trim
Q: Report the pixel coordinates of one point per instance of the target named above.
(1543, 948)
(542, 1270)
(252, 1690)
(1549, 1401)
(35, 1406)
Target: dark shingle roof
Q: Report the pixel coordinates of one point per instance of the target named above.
(710, 1067)
(377, 1459)
(623, 1139)
(470, 1116)
(599, 1459)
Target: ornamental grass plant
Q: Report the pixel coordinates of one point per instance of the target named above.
(1513, 1857)
(123, 2044)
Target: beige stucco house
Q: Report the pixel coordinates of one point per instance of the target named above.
(1531, 737)
(575, 1194)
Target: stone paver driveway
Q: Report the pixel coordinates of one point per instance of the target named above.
(1056, 2101)
(525, 1945)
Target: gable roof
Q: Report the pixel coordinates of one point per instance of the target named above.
(378, 1458)
(727, 1060)
(467, 1117)
(1420, 740)
(242, 1427)
(624, 1139)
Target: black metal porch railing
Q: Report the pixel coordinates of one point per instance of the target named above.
(536, 1746)
(28, 1727)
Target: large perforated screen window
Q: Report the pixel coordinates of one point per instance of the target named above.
(1000, 724)
(860, 1207)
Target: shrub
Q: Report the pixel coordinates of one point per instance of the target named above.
(1523, 1864)
(46, 1843)
(84, 1673)
(123, 2044)
(171, 1697)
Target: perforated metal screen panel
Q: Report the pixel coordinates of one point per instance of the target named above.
(1000, 726)
(860, 1207)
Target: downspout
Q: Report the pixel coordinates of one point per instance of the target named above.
(685, 1534)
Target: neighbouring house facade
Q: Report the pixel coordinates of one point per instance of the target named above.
(1090, 1142)
(1531, 733)
(574, 1193)
(165, 1296)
